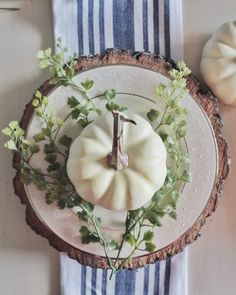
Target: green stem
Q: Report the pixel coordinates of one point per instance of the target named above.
(135, 247)
(73, 84)
(125, 235)
(102, 239)
(162, 119)
(84, 94)
(59, 128)
(45, 119)
(56, 147)
(140, 220)
(123, 241)
(121, 245)
(32, 168)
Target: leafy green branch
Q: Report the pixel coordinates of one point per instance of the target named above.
(79, 111)
(172, 94)
(163, 203)
(50, 123)
(64, 71)
(169, 124)
(93, 233)
(172, 124)
(25, 149)
(56, 184)
(165, 200)
(109, 96)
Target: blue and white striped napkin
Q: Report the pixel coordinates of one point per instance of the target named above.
(89, 27)
(161, 278)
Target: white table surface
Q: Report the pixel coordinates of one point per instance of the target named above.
(28, 265)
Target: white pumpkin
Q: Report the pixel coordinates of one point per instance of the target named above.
(123, 188)
(218, 64)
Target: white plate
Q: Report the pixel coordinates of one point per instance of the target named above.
(135, 88)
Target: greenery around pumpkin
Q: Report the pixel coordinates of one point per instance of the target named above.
(56, 185)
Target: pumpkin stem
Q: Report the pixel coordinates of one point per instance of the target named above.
(118, 159)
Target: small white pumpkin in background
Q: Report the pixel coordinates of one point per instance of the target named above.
(218, 64)
(116, 164)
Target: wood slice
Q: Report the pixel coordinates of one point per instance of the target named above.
(209, 105)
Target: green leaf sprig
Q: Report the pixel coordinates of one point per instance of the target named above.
(109, 96)
(173, 117)
(64, 71)
(79, 111)
(164, 201)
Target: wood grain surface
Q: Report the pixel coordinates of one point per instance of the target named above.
(210, 106)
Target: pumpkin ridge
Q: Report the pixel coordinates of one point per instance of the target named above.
(84, 161)
(100, 134)
(217, 83)
(223, 45)
(142, 199)
(107, 200)
(128, 129)
(139, 174)
(228, 75)
(133, 145)
(142, 172)
(97, 180)
(90, 146)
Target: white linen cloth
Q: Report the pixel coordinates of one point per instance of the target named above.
(89, 27)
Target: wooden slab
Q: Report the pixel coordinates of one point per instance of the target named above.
(208, 103)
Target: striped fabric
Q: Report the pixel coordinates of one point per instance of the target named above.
(89, 27)
(162, 278)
